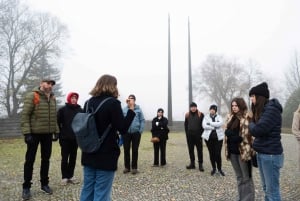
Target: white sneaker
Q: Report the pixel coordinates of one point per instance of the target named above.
(64, 181)
(73, 180)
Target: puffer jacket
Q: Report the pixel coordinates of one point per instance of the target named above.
(39, 118)
(267, 131)
(245, 147)
(217, 125)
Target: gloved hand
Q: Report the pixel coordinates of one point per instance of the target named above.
(28, 138)
(55, 136)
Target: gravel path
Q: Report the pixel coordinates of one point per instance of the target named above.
(170, 183)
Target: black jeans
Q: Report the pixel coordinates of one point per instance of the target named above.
(192, 141)
(214, 147)
(46, 148)
(68, 157)
(161, 145)
(133, 140)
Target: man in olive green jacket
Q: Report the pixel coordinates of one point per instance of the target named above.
(39, 124)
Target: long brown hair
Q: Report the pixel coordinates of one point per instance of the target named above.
(106, 84)
(258, 107)
(241, 103)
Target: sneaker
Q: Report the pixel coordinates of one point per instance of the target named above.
(221, 173)
(46, 189)
(26, 194)
(73, 180)
(126, 170)
(190, 166)
(213, 172)
(134, 171)
(64, 181)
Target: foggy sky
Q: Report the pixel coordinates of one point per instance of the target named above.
(128, 39)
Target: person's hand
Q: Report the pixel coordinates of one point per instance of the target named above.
(55, 137)
(28, 138)
(228, 132)
(130, 104)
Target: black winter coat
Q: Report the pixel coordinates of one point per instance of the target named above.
(160, 129)
(65, 116)
(267, 131)
(106, 158)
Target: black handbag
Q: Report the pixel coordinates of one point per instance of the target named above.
(254, 160)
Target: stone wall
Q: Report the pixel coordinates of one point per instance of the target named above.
(11, 127)
(177, 126)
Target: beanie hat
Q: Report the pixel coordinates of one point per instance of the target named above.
(213, 107)
(260, 90)
(160, 110)
(193, 104)
(70, 96)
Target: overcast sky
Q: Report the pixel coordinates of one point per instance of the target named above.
(128, 39)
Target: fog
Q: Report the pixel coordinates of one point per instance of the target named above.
(128, 39)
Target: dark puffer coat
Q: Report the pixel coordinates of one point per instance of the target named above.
(267, 131)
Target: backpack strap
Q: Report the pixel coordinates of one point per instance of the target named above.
(102, 102)
(199, 113)
(105, 133)
(36, 98)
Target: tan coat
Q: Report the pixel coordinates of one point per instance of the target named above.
(245, 146)
(296, 123)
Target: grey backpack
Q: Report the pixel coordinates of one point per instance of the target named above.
(85, 130)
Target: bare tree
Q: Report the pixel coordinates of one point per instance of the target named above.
(26, 39)
(222, 79)
(292, 75)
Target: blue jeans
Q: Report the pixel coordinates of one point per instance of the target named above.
(97, 184)
(269, 166)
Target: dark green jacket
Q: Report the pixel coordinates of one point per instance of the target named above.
(39, 118)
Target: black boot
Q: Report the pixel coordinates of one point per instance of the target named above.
(201, 167)
(191, 166)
